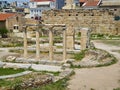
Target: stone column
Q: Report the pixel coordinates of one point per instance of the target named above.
(70, 37)
(64, 45)
(37, 44)
(51, 44)
(25, 42)
(85, 41)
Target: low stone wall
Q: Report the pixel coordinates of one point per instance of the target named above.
(95, 58)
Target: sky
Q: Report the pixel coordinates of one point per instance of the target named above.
(15, 0)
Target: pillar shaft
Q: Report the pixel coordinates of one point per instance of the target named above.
(25, 43)
(64, 45)
(37, 44)
(70, 37)
(50, 45)
(85, 42)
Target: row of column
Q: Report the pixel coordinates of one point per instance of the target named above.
(51, 52)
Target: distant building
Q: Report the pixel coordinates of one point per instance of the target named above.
(76, 2)
(91, 4)
(110, 4)
(13, 4)
(38, 6)
(8, 10)
(4, 4)
(11, 21)
(82, 2)
(71, 4)
(60, 4)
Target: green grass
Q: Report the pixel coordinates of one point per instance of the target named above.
(59, 47)
(44, 37)
(4, 82)
(59, 85)
(12, 45)
(44, 72)
(14, 83)
(9, 83)
(8, 71)
(79, 56)
(117, 89)
(104, 37)
(21, 51)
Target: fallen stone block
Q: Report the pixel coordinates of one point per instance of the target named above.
(17, 65)
(46, 68)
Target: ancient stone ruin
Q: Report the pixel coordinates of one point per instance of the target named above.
(99, 20)
(68, 42)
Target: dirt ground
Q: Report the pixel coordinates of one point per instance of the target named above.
(101, 78)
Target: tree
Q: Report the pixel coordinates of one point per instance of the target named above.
(3, 32)
(0, 9)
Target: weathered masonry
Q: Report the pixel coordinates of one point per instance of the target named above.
(84, 39)
(99, 20)
(38, 28)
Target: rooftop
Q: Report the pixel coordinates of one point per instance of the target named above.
(110, 3)
(4, 16)
(91, 3)
(82, 0)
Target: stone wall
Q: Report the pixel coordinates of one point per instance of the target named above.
(99, 20)
(15, 20)
(19, 20)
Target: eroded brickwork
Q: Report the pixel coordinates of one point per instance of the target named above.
(100, 21)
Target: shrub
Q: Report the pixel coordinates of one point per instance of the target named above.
(117, 89)
(80, 55)
(3, 32)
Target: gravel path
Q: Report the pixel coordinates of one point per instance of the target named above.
(102, 78)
